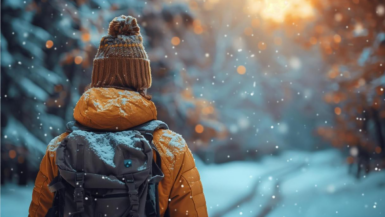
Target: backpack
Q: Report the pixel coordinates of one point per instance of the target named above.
(107, 173)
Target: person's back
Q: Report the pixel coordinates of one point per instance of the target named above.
(117, 101)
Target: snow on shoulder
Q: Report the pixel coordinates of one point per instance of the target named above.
(170, 145)
(54, 144)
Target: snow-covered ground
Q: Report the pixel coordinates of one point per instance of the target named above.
(294, 184)
(15, 200)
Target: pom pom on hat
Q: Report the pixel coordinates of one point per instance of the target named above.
(123, 25)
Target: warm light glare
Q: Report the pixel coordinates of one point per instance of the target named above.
(241, 70)
(199, 128)
(278, 10)
(49, 44)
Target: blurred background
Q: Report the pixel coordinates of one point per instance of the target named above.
(281, 101)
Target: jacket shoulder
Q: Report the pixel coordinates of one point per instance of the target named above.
(54, 144)
(170, 145)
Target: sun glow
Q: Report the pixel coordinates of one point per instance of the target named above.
(278, 10)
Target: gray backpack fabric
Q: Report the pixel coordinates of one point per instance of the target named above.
(107, 173)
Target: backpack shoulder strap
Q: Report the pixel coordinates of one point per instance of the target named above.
(147, 128)
(74, 125)
(150, 127)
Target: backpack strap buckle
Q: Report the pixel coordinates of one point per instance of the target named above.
(78, 195)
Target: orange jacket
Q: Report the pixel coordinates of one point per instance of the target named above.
(180, 191)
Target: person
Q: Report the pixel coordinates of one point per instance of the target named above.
(117, 100)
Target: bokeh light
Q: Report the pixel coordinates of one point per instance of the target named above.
(241, 70)
(49, 44)
(78, 60)
(199, 128)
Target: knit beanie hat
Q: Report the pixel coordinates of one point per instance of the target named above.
(121, 60)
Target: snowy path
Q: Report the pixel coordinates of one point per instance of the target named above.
(279, 172)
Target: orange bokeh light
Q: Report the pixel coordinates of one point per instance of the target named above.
(175, 41)
(337, 38)
(337, 110)
(241, 70)
(49, 44)
(78, 60)
(197, 27)
(199, 128)
(12, 154)
(86, 37)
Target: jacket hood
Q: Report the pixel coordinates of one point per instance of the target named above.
(113, 109)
